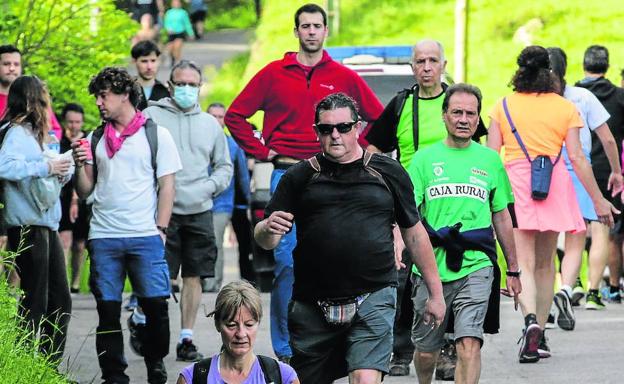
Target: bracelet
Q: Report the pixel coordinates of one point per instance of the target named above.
(162, 230)
(513, 274)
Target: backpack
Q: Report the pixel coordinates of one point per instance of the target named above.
(314, 163)
(269, 366)
(151, 131)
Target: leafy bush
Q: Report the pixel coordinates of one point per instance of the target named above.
(230, 14)
(19, 360)
(66, 42)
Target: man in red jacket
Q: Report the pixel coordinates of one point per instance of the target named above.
(286, 91)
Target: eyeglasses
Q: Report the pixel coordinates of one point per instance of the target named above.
(327, 129)
(182, 84)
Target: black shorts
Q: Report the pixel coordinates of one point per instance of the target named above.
(198, 16)
(191, 245)
(602, 179)
(175, 36)
(79, 228)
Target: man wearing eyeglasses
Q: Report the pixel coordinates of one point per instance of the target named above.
(345, 203)
(206, 171)
(286, 91)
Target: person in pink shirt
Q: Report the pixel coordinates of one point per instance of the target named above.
(11, 69)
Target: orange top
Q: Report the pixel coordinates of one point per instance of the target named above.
(542, 120)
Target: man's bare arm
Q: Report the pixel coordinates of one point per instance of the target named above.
(269, 231)
(166, 195)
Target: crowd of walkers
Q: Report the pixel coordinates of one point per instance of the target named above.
(384, 222)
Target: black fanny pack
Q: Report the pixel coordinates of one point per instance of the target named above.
(541, 166)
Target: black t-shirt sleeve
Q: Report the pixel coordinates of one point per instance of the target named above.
(405, 210)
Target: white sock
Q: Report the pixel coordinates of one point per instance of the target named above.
(567, 289)
(186, 334)
(138, 318)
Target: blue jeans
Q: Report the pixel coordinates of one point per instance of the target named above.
(143, 258)
(282, 285)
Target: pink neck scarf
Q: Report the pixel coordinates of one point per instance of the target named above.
(113, 143)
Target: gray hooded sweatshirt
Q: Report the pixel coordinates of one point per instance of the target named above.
(206, 165)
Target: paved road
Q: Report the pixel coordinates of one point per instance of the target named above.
(590, 354)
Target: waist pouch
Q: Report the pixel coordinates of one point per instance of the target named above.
(341, 311)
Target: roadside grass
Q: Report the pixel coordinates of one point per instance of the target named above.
(20, 361)
(241, 17)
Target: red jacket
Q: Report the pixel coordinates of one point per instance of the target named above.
(288, 97)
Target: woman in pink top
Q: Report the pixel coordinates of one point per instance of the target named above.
(545, 121)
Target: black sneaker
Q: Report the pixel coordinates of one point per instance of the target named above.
(399, 365)
(156, 372)
(445, 366)
(566, 319)
(187, 351)
(529, 343)
(542, 348)
(137, 334)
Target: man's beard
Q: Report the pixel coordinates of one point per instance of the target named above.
(5, 82)
(305, 49)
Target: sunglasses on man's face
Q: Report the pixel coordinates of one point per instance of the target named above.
(327, 129)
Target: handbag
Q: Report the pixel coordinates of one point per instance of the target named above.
(341, 311)
(541, 166)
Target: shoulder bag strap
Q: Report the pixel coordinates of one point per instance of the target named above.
(200, 371)
(270, 369)
(514, 130)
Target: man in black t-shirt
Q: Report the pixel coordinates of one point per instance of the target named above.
(345, 202)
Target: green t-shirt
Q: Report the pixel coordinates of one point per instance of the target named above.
(454, 185)
(431, 128)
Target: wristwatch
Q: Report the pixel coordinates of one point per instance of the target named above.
(162, 230)
(513, 274)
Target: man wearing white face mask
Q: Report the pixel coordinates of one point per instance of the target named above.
(207, 171)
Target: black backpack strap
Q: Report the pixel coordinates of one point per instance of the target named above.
(151, 131)
(200, 371)
(4, 129)
(96, 136)
(270, 368)
(366, 159)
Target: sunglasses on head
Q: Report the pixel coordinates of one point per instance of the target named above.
(326, 129)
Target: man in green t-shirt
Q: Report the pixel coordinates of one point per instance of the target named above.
(410, 122)
(462, 190)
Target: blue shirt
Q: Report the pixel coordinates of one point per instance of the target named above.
(224, 202)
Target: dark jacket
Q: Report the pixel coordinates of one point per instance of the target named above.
(455, 243)
(383, 133)
(612, 98)
(158, 92)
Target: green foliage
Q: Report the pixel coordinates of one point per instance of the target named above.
(492, 49)
(19, 361)
(67, 42)
(228, 82)
(230, 14)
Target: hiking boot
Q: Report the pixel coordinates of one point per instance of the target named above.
(187, 351)
(137, 334)
(399, 366)
(542, 348)
(156, 372)
(577, 293)
(566, 319)
(593, 301)
(529, 343)
(445, 367)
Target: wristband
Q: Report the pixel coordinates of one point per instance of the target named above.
(513, 274)
(162, 230)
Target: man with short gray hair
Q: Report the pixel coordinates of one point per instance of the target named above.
(206, 171)
(411, 121)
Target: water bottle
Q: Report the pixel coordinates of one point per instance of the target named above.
(54, 145)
